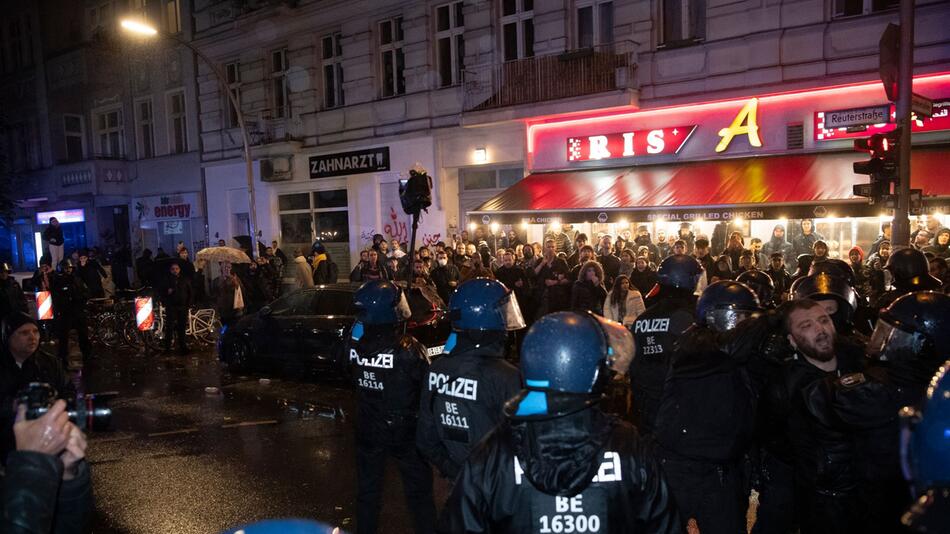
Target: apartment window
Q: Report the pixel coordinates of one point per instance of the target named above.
(847, 8)
(332, 49)
(177, 124)
(450, 43)
(100, 16)
(145, 138)
(480, 178)
(595, 23)
(279, 84)
(109, 133)
(233, 73)
(517, 28)
(73, 134)
(683, 20)
(392, 60)
(172, 16)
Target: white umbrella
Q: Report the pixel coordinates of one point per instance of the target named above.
(219, 254)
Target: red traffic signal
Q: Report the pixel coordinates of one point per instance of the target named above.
(878, 145)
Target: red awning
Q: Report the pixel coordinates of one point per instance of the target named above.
(762, 182)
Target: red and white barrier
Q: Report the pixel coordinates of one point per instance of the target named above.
(144, 318)
(44, 305)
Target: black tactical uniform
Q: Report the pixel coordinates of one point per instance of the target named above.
(462, 400)
(69, 309)
(656, 332)
(388, 371)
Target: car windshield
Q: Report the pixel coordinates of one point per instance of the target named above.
(294, 304)
(333, 302)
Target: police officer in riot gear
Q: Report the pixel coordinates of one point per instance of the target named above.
(761, 283)
(910, 271)
(11, 295)
(69, 295)
(558, 463)
(705, 421)
(910, 341)
(656, 330)
(924, 452)
(388, 369)
(465, 390)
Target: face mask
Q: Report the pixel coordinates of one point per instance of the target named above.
(443, 261)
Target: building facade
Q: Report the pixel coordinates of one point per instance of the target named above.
(341, 98)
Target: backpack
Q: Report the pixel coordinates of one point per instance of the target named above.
(333, 272)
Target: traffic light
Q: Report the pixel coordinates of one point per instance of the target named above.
(882, 167)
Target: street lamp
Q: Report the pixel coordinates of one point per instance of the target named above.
(145, 30)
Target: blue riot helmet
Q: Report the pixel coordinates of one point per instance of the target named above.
(318, 248)
(567, 359)
(925, 448)
(914, 326)
(725, 304)
(485, 304)
(380, 302)
(680, 271)
(834, 267)
(760, 282)
(285, 526)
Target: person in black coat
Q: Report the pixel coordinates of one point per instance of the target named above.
(643, 277)
(445, 275)
(588, 293)
(779, 243)
(69, 308)
(11, 294)
(177, 296)
(805, 243)
(144, 268)
(92, 273)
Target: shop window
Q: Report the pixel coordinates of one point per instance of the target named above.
(233, 75)
(683, 21)
(73, 134)
(392, 60)
(517, 29)
(177, 124)
(145, 130)
(280, 86)
(333, 70)
(299, 201)
(595, 23)
(450, 43)
(109, 134)
(295, 228)
(332, 226)
(475, 179)
(848, 8)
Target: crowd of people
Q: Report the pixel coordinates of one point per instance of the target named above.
(734, 379)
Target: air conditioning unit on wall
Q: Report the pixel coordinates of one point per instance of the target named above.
(277, 169)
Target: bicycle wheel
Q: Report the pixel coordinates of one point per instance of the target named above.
(107, 331)
(206, 326)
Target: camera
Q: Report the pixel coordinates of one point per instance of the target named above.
(415, 192)
(88, 412)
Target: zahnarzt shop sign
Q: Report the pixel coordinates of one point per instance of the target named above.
(346, 163)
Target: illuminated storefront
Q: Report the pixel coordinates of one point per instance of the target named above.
(744, 164)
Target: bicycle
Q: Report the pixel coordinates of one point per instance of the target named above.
(203, 325)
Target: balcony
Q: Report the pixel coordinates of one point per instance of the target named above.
(99, 176)
(537, 80)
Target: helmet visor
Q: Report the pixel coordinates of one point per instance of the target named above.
(511, 312)
(726, 320)
(889, 342)
(620, 347)
(403, 311)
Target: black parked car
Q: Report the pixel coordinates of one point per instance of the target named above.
(308, 328)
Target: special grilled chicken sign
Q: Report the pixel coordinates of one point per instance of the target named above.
(633, 144)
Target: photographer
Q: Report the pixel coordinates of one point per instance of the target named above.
(21, 362)
(46, 486)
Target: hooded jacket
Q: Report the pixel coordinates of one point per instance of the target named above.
(776, 244)
(938, 250)
(462, 400)
(585, 471)
(302, 272)
(804, 244)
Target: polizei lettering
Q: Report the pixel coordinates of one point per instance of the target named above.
(463, 388)
(646, 326)
(380, 361)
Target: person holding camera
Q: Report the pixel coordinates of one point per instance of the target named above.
(21, 363)
(46, 486)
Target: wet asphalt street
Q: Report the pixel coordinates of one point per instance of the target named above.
(183, 459)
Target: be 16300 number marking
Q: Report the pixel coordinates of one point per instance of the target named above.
(568, 524)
